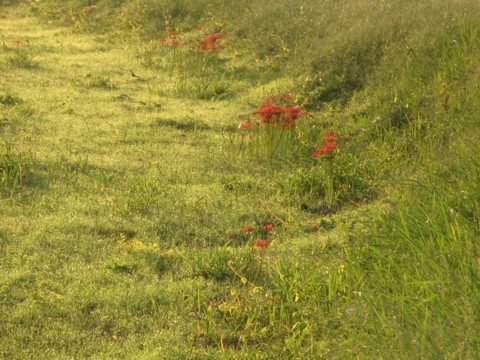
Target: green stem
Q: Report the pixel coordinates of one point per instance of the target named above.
(173, 63)
(329, 196)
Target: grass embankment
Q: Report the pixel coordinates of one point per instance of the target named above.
(139, 221)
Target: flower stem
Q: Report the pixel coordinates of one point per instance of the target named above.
(173, 63)
(329, 193)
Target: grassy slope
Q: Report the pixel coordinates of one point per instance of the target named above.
(120, 243)
(121, 178)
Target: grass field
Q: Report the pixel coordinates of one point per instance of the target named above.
(300, 181)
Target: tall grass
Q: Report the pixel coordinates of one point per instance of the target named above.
(420, 270)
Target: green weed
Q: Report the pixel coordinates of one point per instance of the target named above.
(22, 59)
(9, 100)
(94, 81)
(12, 170)
(210, 89)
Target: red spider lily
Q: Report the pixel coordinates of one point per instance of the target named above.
(329, 148)
(19, 42)
(268, 227)
(261, 244)
(330, 137)
(278, 115)
(268, 110)
(210, 43)
(163, 40)
(293, 113)
(172, 33)
(245, 125)
(247, 230)
(327, 151)
(174, 43)
(86, 10)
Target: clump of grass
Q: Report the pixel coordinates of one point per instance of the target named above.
(211, 89)
(188, 124)
(13, 112)
(12, 170)
(22, 59)
(202, 72)
(94, 81)
(9, 100)
(7, 103)
(215, 264)
(273, 134)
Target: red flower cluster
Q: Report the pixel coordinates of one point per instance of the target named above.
(279, 115)
(210, 43)
(261, 244)
(330, 137)
(329, 148)
(19, 42)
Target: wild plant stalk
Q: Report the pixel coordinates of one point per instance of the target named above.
(173, 42)
(12, 171)
(245, 131)
(278, 124)
(327, 152)
(329, 190)
(278, 139)
(172, 68)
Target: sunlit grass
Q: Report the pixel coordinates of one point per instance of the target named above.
(140, 221)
